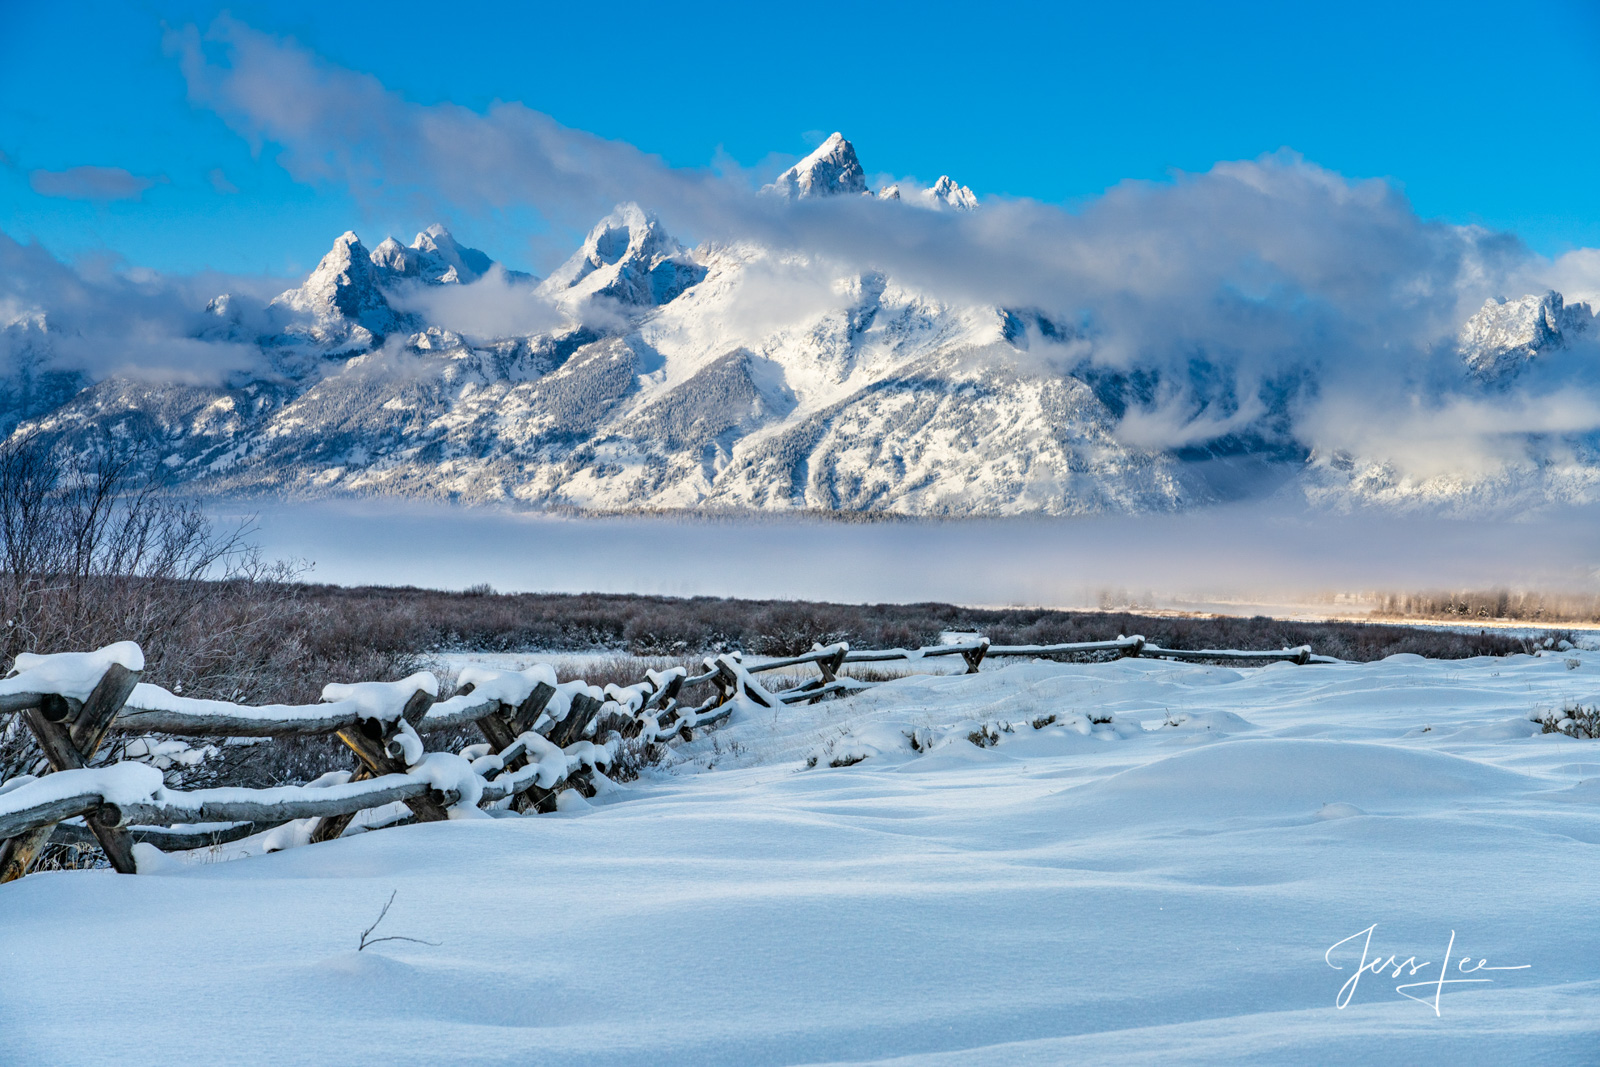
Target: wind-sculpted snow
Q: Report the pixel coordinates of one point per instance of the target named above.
(1126, 862)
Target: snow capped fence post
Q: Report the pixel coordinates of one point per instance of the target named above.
(68, 743)
(102, 707)
(522, 721)
(570, 729)
(975, 656)
(417, 706)
(374, 741)
(529, 710)
(734, 679)
(667, 691)
(719, 678)
(830, 666)
(371, 745)
(583, 710)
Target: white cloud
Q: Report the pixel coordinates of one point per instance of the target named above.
(496, 305)
(99, 320)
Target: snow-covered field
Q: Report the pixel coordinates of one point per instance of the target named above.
(1081, 892)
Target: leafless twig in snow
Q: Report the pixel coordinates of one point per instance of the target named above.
(368, 939)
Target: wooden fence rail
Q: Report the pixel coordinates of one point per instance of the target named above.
(976, 651)
(541, 737)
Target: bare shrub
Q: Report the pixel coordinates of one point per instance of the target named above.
(619, 669)
(1574, 720)
(684, 628)
(92, 552)
(634, 754)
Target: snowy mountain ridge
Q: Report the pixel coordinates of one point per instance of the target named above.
(739, 377)
(832, 168)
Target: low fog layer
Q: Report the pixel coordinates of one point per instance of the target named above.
(1236, 558)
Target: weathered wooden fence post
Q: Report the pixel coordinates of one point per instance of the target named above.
(497, 729)
(370, 743)
(69, 742)
(583, 710)
(501, 729)
(830, 667)
(529, 710)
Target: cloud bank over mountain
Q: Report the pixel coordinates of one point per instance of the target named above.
(1263, 312)
(99, 319)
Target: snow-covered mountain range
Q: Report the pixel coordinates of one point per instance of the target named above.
(736, 376)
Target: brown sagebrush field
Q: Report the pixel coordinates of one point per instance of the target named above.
(405, 618)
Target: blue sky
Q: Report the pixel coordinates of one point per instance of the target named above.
(1480, 112)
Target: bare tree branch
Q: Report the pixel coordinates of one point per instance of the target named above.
(365, 934)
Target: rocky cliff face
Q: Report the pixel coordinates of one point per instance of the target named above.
(1506, 334)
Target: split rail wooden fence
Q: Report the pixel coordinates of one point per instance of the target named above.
(540, 737)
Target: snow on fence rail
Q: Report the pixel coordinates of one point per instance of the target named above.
(542, 737)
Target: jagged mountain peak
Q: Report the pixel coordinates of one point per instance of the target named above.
(342, 297)
(627, 257)
(434, 257)
(391, 256)
(832, 168)
(347, 264)
(1505, 334)
(946, 191)
(444, 259)
(347, 247)
(829, 170)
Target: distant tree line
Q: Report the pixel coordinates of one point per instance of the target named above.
(1497, 604)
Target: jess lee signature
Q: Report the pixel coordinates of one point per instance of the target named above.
(1410, 968)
